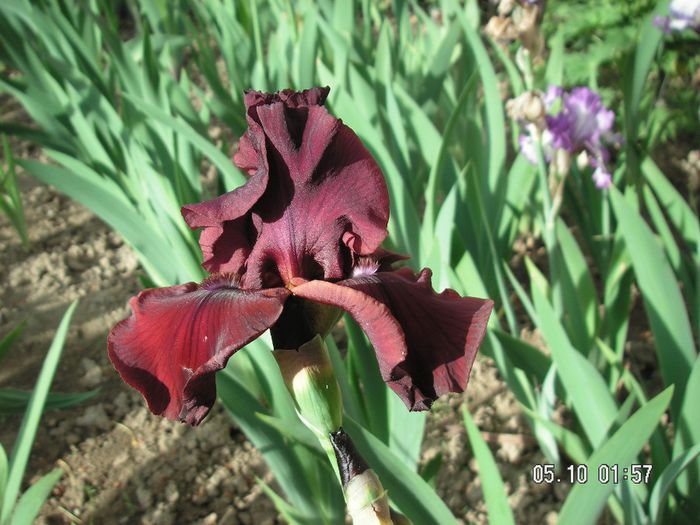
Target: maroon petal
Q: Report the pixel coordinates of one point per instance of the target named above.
(228, 236)
(425, 342)
(315, 197)
(325, 200)
(177, 338)
(315, 96)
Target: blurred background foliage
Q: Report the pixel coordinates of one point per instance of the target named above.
(138, 106)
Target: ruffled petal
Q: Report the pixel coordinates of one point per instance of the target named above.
(425, 342)
(326, 198)
(315, 198)
(315, 96)
(228, 235)
(177, 338)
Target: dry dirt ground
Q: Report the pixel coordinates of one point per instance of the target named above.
(123, 465)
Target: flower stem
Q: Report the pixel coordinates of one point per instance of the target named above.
(549, 214)
(606, 229)
(366, 498)
(309, 377)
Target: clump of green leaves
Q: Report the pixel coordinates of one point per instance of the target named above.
(16, 509)
(596, 33)
(423, 93)
(10, 198)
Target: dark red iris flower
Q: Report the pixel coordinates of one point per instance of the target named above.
(287, 250)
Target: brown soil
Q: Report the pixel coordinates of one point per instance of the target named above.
(123, 465)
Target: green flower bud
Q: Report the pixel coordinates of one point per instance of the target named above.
(309, 376)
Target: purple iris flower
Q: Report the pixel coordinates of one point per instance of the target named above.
(288, 250)
(581, 123)
(683, 14)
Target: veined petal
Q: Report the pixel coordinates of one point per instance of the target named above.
(425, 342)
(177, 338)
(316, 197)
(315, 96)
(228, 233)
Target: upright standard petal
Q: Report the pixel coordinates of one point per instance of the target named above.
(425, 342)
(326, 197)
(229, 234)
(177, 338)
(315, 198)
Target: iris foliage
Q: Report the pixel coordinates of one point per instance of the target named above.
(132, 103)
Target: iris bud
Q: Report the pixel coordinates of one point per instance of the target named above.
(366, 499)
(561, 162)
(528, 108)
(309, 376)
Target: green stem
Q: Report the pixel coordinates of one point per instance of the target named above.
(258, 40)
(327, 447)
(606, 229)
(549, 212)
(526, 68)
(548, 231)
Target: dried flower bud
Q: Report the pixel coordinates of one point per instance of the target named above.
(501, 30)
(528, 108)
(309, 376)
(518, 21)
(505, 7)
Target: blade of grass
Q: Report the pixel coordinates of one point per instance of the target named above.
(673, 251)
(573, 445)
(582, 381)
(578, 291)
(494, 490)
(586, 500)
(406, 446)
(350, 402)
(436, 171)
(688, 428)
(662, 299)
(634, 78)
(666, 480)
(364, 362)
(30, 422)
(409, 492)
(673, 204)
(31, 501)
(217, 157)
(7, 341)
(3, 474)
(525, 356)
(10, 198)
(16, 401)
(494, 117)
(554, 72)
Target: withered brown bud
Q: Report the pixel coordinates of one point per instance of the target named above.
(528, 108)
(501, 29)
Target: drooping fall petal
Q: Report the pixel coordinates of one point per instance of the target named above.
(323, 196)
(177, 338)
(425, 342)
